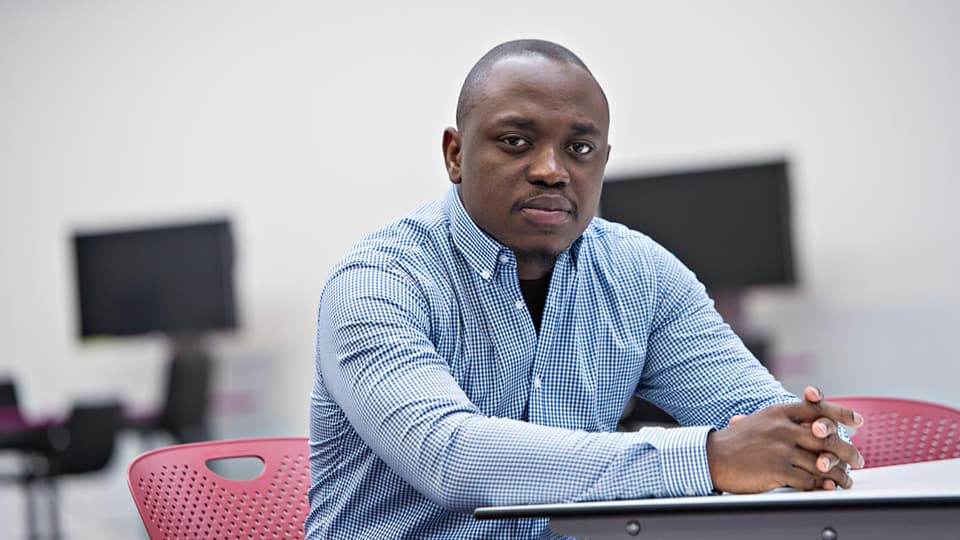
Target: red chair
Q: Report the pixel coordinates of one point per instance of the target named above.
(898, 431)
(179, 496)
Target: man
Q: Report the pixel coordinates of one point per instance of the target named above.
(480, 350)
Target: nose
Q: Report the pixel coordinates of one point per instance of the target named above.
(547, 168)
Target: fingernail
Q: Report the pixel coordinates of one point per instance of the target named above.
(821, 429)
(860, 461)
(824, 464)
(857, 419)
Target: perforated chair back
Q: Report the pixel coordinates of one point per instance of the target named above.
(180, 497)
(898, 431)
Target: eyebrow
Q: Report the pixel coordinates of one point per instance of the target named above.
(580, 128)
(515, 121)
(583, 128)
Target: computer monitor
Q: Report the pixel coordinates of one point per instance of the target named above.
(730, 225)
(175, 279)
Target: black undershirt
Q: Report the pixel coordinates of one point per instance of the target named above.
(535, 295)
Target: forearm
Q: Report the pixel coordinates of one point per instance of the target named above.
(494, 461)
(461, 459)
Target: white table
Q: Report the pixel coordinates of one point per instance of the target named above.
(920, 501)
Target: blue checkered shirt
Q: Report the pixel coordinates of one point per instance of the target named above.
(435, 395)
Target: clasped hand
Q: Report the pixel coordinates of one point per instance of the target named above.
(795, 445)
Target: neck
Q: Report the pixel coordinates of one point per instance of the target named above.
(534, 266)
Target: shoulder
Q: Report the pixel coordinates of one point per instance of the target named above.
(410, 239)
(633, 257)
(618, 244)
(390, 272)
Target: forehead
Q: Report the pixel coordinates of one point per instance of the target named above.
(532, 85)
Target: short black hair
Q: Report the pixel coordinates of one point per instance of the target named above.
(519, 47)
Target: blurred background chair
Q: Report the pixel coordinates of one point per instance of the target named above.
(898, 431)
(184, 413)
(10, 414)
(83, 443)
(180, 492)
(8, 393)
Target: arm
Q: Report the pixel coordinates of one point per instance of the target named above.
(376, 359)
(699, 371)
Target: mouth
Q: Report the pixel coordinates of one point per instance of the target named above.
(547, 210)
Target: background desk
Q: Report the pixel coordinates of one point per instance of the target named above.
(920, 501)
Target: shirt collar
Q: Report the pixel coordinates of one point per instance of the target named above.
(479, 249)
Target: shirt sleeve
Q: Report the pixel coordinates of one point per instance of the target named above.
(696, 368)
(375, 358)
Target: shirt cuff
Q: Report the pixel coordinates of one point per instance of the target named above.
(683, 462)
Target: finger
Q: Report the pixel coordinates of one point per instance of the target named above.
(840, 414)
(812, 464)
(829, 484)
(833, 444)
(736, 418)
(823, 428)
(839, 477)
(827, 461)
(808, 411)
(799, 478)
(812, 394)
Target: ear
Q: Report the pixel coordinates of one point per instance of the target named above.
(451, 153)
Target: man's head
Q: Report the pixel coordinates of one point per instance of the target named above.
(530, 148)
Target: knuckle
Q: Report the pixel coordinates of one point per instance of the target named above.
(833, 443)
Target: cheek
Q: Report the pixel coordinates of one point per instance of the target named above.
(588, 185)
(493, 179)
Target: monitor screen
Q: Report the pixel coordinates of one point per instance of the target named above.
(175, 279)
(730, 225)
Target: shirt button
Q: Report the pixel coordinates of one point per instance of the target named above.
(690, 491)
(519, 304)
(504, 259)
(536, 382)
(485, 274)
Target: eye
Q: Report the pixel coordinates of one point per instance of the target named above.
(581, 148)
(514, 142)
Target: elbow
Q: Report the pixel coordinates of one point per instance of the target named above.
(458, 480)
(456, 497)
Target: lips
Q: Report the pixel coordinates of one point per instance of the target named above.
(547, 210)
(550, 203)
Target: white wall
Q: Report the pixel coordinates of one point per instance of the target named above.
(313, 123)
